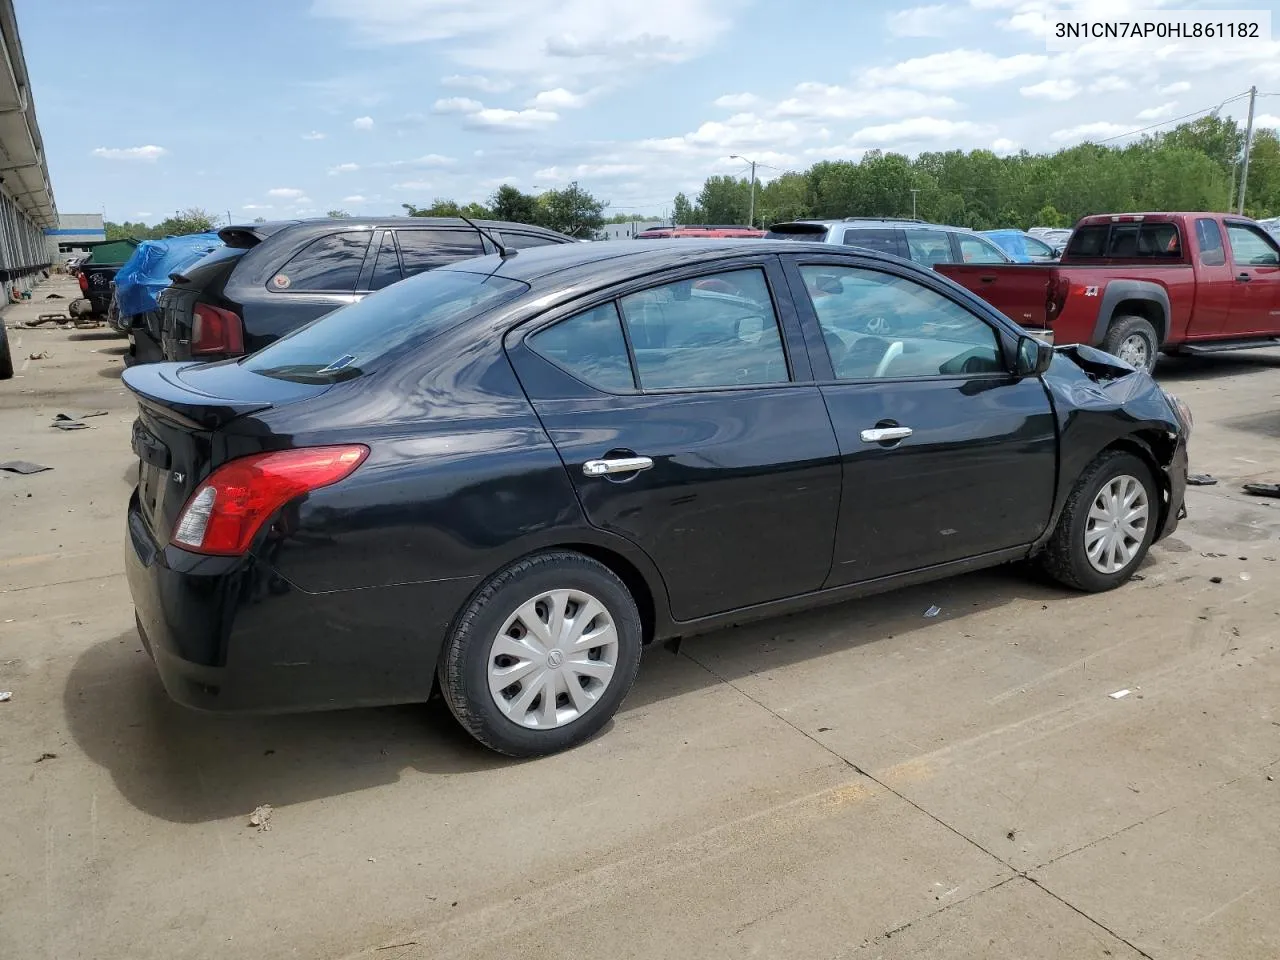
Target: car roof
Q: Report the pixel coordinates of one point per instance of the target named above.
(905, 223)
(274, 226)
(626, 257)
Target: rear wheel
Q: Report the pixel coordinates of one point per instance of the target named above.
(1107, 525)
(1133, 339)
(543, 655)
(6, 356)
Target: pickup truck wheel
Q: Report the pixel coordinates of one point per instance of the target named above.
(6, 356)
(1133, 340)
(1107, 524)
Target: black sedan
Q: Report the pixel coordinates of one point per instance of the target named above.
(507, 475)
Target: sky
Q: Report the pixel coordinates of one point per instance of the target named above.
(286, 108)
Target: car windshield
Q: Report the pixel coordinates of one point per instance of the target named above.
(352, 340)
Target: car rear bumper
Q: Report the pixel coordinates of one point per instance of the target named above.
(228, 634)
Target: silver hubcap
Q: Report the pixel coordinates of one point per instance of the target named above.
(553, 659)
(1117, 524)
(1135, 351)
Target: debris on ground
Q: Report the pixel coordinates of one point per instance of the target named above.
(1245, 576)
(6, 695)
(54, 296)
(1262, 489)
(933, 611)
(1215, 579)
(42, 355)
(406, 943)
(261, 817)
(23, 466)
(95, 413)
(1201, 480)
(1213, 556)
(1137, 576)
(1120, 694)
(64, 422)
(1011, 834)
(46, 756)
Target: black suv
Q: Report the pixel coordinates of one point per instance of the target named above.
(272, 278)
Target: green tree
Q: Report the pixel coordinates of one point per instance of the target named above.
(338, 214)
(572, 211)
(725, 200)
(685, 212)
(511, 204)
(1048, 216)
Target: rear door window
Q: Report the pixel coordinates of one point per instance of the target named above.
(591, 347)
(523, 241)
(1251, 247)
(975, 249)
(1209, 237)
(1088, 241)
(427, 249)
(328, 265)
(928, 246)
(882, 241)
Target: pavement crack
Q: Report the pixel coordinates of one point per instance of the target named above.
(1097, 923)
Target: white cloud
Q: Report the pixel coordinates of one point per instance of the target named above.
(301, 200)
(143, 213)
(1168, 89)
(314, 135)
(362, 123)
(539, 37)
(457, 105)
(739, 131)
(426, 160)
(1052, 89)
(1267, 120)
(354, 198)
(495, 117)
(737, 101)
(1004, 146)
(931, 21)
(477, 82)
(286, 193)
(921, 128)
(1089, 131)
(343, 168)
(412, 185)
(957, 70)
(150, 153)
(1158, 113)
(827, 101)
(257, 206)
(594, 170)
(1110, 84)
(558, 99)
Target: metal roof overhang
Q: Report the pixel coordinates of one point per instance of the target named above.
(22, 163)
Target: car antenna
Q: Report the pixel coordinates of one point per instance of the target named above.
(503, 252)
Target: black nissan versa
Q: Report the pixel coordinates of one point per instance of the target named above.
(274, 277)
(507, 475)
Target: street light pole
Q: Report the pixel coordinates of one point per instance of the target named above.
(914, 191)
(751, 215)
(1248, 143)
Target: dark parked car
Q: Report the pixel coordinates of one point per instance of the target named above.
(272, 278)
(511, 474)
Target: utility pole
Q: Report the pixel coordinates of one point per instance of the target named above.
(914, 191)
(1248, 142)
(751, 216)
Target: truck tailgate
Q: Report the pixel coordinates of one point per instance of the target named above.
(1018, 290)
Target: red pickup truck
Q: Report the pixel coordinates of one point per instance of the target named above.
(1138, 284)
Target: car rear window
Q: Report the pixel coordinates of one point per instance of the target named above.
(357, 338)
(328, 265)
(882, 241)
(1126, 241)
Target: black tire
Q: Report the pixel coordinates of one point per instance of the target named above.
(6, 356)
(1065, 557)
(1124, 329)
(464, 661)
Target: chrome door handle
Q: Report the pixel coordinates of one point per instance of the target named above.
(600, 468)
(881, 434)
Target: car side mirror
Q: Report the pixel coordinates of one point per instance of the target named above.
(1034, 357)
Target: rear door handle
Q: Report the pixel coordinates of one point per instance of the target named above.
(1243, 277)
(881, 434)
(600, 468)
(988, 279)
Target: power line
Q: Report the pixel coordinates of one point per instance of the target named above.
(1186, 116)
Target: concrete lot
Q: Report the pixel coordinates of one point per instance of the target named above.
(856, 782)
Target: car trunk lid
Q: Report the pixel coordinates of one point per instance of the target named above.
(180, 435)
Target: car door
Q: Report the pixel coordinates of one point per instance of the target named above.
(946, 455)
(426, 249)
(1256, 261)
(684, 411)
(1215, 283)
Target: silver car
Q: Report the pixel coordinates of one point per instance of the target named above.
(925, 243)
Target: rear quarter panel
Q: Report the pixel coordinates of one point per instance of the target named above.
(1018, 290)
(1097, 293)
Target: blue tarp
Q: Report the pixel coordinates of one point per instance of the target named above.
(1012, 242)
(146, 273)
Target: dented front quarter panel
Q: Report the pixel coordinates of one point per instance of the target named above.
(1100, 401)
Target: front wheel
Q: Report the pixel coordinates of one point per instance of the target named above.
(543, 655)
(1107, 525)
(1133, 339)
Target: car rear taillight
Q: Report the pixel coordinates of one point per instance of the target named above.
(228, 509)
(1056, 295)
(214, 330)
(84, 283)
